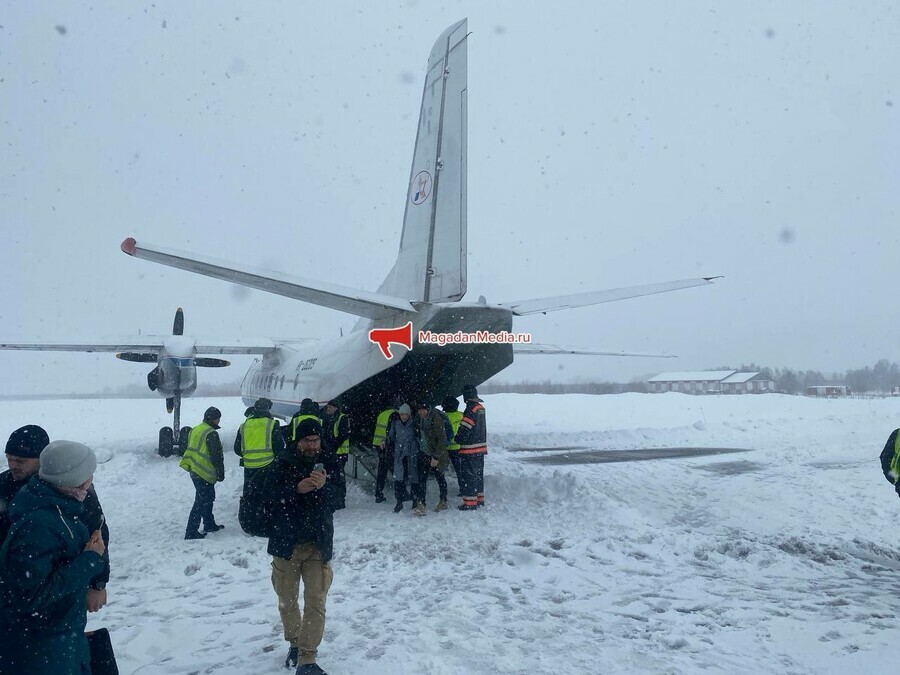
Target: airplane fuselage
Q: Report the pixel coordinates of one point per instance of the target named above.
(354, 368)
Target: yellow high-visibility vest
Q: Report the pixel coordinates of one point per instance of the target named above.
(256, 442)
(196, 458)
(300, 418)
(381, 426)
(343, 448)
(455, 417)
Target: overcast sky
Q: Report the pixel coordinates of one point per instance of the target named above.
(610, 144)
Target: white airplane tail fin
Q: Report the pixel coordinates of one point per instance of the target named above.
(431, 264)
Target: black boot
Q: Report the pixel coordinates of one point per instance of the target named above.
(399, 507)
(214, 528)
(310, 669)
(380, 498)
(292, 657)
(194, 535)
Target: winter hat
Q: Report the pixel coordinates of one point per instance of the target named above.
(450, 404)
(212, 413)
(422, 404)
(263, 405)
(336, 402)
(27, 441)
(308, 427)
(405, 410)
(470, 393)
(67, 464)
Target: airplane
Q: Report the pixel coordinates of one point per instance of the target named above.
(424, 288)
(175, 373)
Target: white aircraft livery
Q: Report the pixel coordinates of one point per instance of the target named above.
(415, 339)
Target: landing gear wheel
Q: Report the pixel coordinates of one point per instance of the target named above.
(166, 442)
(183, 436)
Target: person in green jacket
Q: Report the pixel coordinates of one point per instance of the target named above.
(46, 565)
(433, 458)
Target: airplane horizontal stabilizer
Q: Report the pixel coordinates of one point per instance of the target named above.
(535, 348)
(143, 347)
(553, 304)
(341, 298)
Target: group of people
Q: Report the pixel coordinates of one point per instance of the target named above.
(54, 564)
(293, 484)
(415, 448)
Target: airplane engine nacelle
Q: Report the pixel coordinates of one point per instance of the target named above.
(176, 374)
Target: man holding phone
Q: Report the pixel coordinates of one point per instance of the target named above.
(302, 543)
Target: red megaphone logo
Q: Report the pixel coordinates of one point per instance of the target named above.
(384, 337)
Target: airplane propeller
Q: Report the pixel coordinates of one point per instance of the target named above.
(137, 357)
(178, 325)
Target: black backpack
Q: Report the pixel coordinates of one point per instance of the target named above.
(256, 513)
(256, 516)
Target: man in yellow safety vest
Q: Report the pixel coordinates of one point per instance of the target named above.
(336, 445)
(259, 440)
(385, 457)
(204, 462)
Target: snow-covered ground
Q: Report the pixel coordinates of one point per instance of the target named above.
(781, 559)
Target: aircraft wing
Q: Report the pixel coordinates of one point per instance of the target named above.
(341, 298)
(553, 304)
(151, 344)
(133, 345)
(236, 346)
(535, 348)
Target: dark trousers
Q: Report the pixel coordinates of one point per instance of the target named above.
(385, 464)
(341, 480)
(471, 477)
(400, 492)
(425, 470)
(203, 506)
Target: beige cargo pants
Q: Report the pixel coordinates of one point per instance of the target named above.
(302, 630)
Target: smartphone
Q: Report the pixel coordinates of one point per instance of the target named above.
(319, 467)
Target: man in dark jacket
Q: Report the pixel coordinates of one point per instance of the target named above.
(302, 543)
(309, 410)
(472, 439)
(23, 450)
(259, 440)
(46, 564)
(336, 444)
(433, 458)
(203, 460)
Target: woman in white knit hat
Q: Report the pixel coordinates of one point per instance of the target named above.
(46, 565)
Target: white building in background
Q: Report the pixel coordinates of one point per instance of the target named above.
(712, 382)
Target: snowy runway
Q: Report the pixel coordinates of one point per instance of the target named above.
(783, 559)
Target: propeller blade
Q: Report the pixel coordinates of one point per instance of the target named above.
(137, 357)
(206, 362)
(178, 326)
(153, 379)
